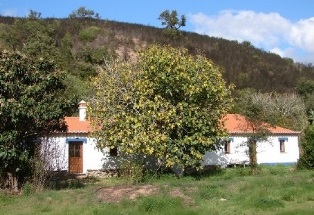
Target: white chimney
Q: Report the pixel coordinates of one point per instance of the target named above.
(82, 110)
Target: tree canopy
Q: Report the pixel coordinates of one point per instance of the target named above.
(172, 23)
(287, 110)
(169, 104)
(31, 106)
(171, 20)
(82, 12)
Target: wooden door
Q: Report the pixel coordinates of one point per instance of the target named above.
(75, 157)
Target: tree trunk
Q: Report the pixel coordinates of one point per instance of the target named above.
(253, 156)
(11, 182)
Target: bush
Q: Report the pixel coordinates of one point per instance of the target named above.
(28, 189)
(132, 171)
(85, 70)
(89, 34)
(306, 160)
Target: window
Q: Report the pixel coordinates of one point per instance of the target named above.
(282, 145)
(113, 152)
(227, 147)
(75, 149)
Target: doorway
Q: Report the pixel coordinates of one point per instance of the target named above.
(75, 157)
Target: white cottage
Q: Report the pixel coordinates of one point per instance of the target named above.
(77, 152)
(281, 146)
(77, 149)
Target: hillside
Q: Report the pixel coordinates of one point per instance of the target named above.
(79, 45)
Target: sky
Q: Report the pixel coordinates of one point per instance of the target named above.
(284, 27)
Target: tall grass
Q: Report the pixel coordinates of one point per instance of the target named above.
(276, 190)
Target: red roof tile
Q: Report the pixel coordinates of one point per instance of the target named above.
(77, 126)
(234, 123)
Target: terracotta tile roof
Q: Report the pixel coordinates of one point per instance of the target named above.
(236, 123)
(77, 126)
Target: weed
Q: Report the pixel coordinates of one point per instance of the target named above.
(211, 191)
(28, 189)
(267, 203)
(5, 198)
(288, 197)
(158, 203)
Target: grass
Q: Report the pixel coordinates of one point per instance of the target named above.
(276, 190)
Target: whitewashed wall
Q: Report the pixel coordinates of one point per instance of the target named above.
(268, 152)
(93, 158)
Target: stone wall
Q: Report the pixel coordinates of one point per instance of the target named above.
(106, 173)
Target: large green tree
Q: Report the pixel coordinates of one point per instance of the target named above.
(168, 104)
(31, 106)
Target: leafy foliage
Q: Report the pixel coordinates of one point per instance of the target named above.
(31, 106)
(287, 110)
(89, 34)
(306, 160)
(305, 88)
(169, 105)
(172, 23)
(82, 12)
(243, 64)
(171, 20)
(32, 36)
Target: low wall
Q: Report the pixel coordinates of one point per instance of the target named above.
(106, 173)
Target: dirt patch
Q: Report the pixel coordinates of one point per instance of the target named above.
(117, 193)
(176, 192)
(131, 192)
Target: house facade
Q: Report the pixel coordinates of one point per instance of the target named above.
(280, 147)
(77, 152)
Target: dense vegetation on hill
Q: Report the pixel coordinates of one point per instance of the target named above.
(80, 44)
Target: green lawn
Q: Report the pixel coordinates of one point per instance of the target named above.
(276, 190)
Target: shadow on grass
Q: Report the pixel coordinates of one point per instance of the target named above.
(70, 181)
(207, 171)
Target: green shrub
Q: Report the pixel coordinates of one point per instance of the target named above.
(89, 34)
(85, 70)
(133, 171)
(28, 189)
(306, 160)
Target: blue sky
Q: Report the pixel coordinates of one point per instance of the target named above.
(285, 27)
